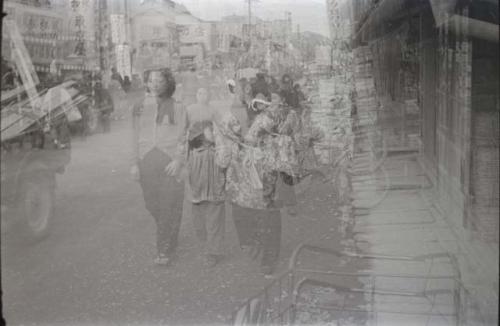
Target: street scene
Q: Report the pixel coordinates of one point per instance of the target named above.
(250, 162)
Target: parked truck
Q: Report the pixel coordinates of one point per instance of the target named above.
(35, 143)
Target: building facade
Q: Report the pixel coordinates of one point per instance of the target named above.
(153, 35)
(56, 32)
(435, 70)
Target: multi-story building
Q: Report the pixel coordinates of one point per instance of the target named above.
(243, 23)
(229, 36)
(340, 23)
(197, 40)
(340, 18)
(153, 34)
(55, 32)
(41, 28)
(278, 31)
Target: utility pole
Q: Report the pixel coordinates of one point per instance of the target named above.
(125, 14)
(128, 34)
(250, 19)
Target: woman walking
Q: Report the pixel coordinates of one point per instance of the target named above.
(205, 177)
(252, 180)
(152, 150)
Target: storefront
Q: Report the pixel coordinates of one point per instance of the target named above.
(441, 57)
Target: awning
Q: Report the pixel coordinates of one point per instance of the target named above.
(378, 14)
(388, 10)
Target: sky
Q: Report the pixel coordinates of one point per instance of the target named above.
(309, 14)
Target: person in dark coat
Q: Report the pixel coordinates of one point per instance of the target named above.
(288, 93)
(126, 84)
(300, 94)
(291, 98)
(115, 75)
(106, 106)
(261, 86)
(274, 87)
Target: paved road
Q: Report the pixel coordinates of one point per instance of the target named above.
(96, 266)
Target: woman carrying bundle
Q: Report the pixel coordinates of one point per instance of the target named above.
(206, 178)
(252, 176)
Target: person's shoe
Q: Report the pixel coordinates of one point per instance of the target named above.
(162, 260)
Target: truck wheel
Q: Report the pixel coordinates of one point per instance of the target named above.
(37, 207)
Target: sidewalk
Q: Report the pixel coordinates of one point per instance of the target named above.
(393, 215)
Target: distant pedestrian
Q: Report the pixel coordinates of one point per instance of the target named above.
(233, 96)
(115, 75)
(153, 148)
(106, 107)
(205, 178)
(274, 87)
(301, 96)
(261, 86)
(126, 84)
(288, 93)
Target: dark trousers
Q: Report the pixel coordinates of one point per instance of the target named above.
(105, 121)
(286, 193)
(170, 106)
(209, 223)
(262, 228)
(163, 196)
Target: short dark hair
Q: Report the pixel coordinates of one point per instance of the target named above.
(169, 78)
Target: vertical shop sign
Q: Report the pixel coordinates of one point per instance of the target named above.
(118, 28)
(79, 26)
(123, 65)
(82, 26)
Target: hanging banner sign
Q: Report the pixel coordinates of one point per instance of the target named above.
(196, 33)
(118, 29)
(123, 64)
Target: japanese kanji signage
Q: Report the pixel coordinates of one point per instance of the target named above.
(123, 65)
(193, 33)
(78, 23)
(118, 30)
(82, 26)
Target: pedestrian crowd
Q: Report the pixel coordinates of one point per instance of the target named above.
(216, 159)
